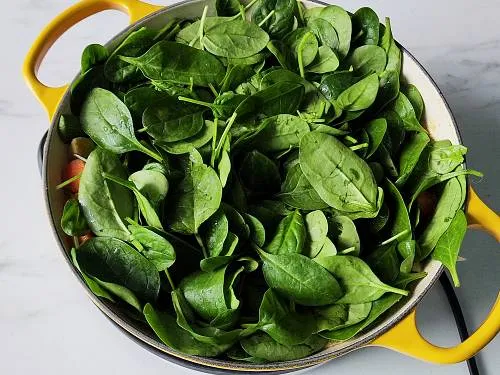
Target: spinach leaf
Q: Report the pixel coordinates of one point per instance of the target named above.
(235, 39)
(366, 27)
(207, 293)
(415, 98)
(297, 192)
(340, 21)
(167, 121)
(280, 98)
(187, 145)
(384, 262)
(335, 317)
(375, 130)
(227, 7)
(359, 96)
(168, 331)
(324, 32)
(113, 261)
(140, 98)
(136, 43)
(368, 59)
(235, 75)
(105, 204)
(93, 55)
(343, 232)
(174, 62)
(214, 231)
(451, 200)
(280, 133)
(145, 207)
(107, 120)
(73, 221)
(325, 62)
(402, 106)
(317, 230)
(257, 229)
(410, 155)
(194, 200)
(448, 246)
(300, 279)
(259, 174)
(156, 248)
(289, 237)
(261, 345)
(357, 279)
(280, 16)
(279, 320)
(338, 175)
(152, 184)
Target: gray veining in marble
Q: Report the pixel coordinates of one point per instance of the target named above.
(48, 325)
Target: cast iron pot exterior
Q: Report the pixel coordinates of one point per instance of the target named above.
(439, 120)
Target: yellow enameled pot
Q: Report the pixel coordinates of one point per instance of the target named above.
(398, 331)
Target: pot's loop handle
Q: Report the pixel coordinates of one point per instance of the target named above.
(405, 337)
(51, 96)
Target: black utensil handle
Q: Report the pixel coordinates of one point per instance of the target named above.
(39, 155)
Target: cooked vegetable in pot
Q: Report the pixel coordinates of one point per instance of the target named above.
(257, 184)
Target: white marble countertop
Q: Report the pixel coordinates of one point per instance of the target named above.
(49, 326)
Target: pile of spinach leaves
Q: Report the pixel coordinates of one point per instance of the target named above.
(260, 179)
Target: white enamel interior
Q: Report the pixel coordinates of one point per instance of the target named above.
(437, 117)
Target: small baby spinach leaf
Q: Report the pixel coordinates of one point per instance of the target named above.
(324, 32)
(156, 248)
(280, 133)
(194, 200)
(257, 229)
(317, 231)
(280, 22)
(135, 44)
(113, 261)
(366, 27)
(325, 62)
(214, 231)
(152, 184)
(174, 62)
(73, 221)
(169, 332)
(235, 39)
(300, 279)
(359, 96)
(343, 232)
(415, 99)
(297, 192)
(410, 155)
(93, 55)
(107, 120)
(259, 174)
(402, 106)
(185, 146)
(261, 345)
(168, 121)
(357, 279)
(368, 59)
(289, 237)
(340, 177)
(105, 204)
(448, 246)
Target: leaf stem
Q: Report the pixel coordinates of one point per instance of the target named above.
(225, 133)
(242, 12)
(394, 238)
(138, 245)
(172, 32)
(212, 88)
(142, 130)
(250, 4)
(395, 290)
(194, 101)
(351, 139)
(202, 25)
(76, 242)
(150, 152)
(169, 278)
(200, 242)
(214, 142)
(80, 158)
(301, 13)
(266, 18)
(68, 181)
(358, 147)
